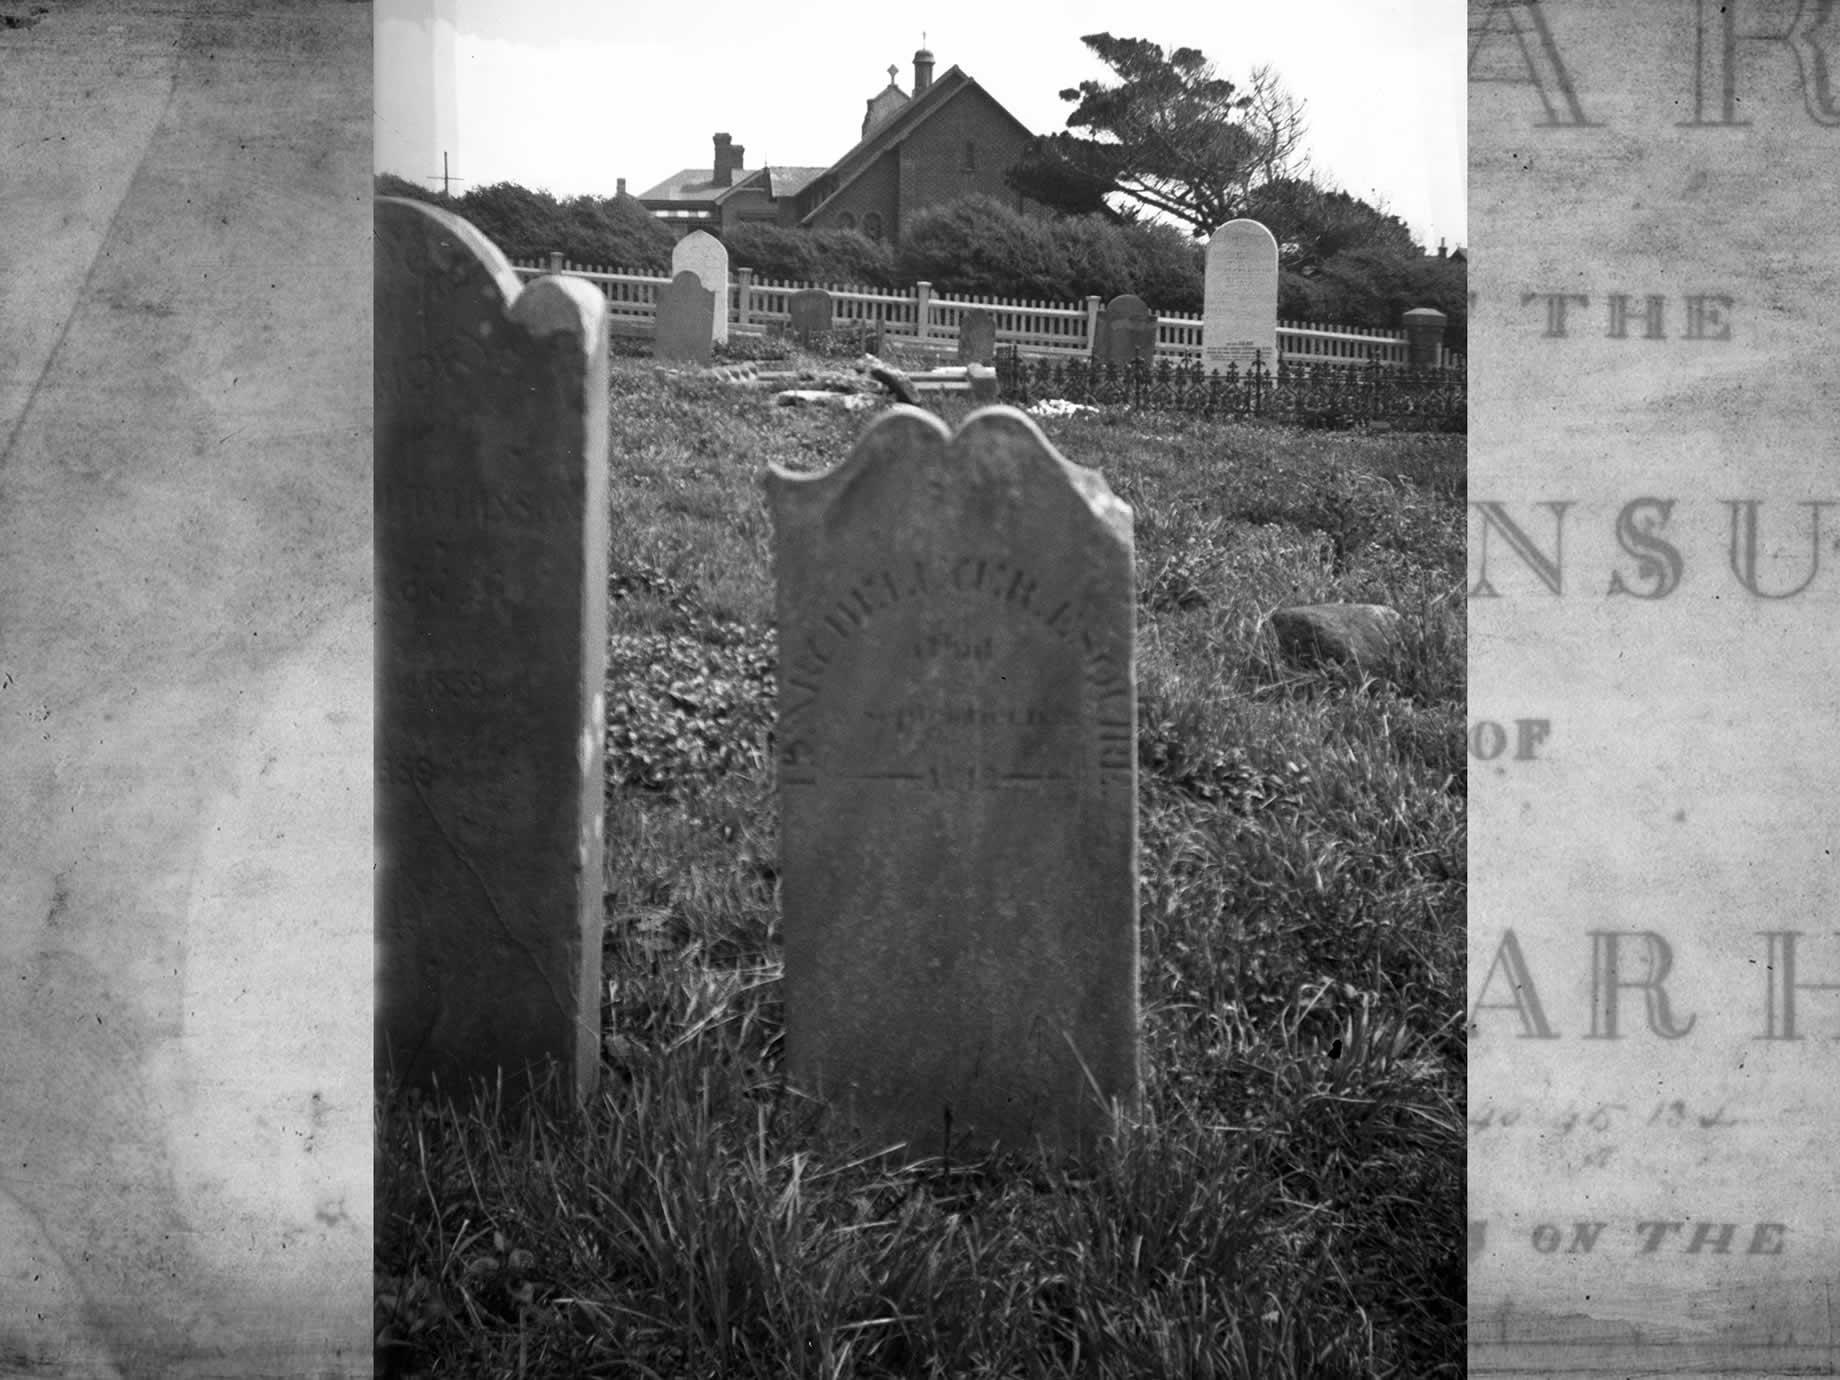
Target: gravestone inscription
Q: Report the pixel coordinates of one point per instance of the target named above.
(703, 254)
(491, 568)
(958, 786)
(1239, 309)
(1126, 330)
(684, 328)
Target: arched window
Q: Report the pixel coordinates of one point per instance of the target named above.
(846, 221)
(970, 156)
(872, 225)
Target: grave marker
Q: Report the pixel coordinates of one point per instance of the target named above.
(1239, 310)
(703, 254)
(684, 328)
(811, 313)
(491, 551)
(977, 336)
(958, 786)
(1126, 330)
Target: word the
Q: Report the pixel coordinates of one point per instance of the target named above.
(1708, 315)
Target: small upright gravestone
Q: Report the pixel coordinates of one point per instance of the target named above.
(1239, 308)
(1126, 331)
(810, 313)
(491, 569)
(684, 327)
(958, 786)
(703, 254)
(977, 336)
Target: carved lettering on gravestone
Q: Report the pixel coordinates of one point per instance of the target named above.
(958, 797)
(684, 328)
(1239, 310)
(1654, 964)
(977, 336)
(491, 549)
(703, 254)
(1126, 330)
(811, 313)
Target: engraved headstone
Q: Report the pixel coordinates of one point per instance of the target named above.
(977, 336)
(703, 254)
(1239, 309)
(491, 551)
(957, 775)
(684, 328)
(1126, 331)
(811, 314)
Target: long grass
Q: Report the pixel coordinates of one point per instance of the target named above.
(1289, 1202)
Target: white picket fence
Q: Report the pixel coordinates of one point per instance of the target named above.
(923, 320)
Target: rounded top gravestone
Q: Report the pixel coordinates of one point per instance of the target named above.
(703, 254)
(1239, 313)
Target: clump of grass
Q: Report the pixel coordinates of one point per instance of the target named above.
(1288, 1202)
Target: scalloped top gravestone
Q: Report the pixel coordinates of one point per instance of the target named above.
(703, 254)
(810, 312)
(1239, 308)
(957, 703)
(977, 336)
(1126, 330)
(684, 328)
(491, 551)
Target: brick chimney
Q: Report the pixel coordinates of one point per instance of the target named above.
(620, 189)
(728, 160)
(923, 70)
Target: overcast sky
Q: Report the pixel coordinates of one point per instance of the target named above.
(570, 95)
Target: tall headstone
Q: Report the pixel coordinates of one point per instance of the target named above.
(491, 549)
(1239, 309)
(703, 254)
(977, 336)
(684, 327)
(958, 786)
(1126, 331)
(811, 314)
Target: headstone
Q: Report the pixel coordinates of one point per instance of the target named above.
(491, 549)
(1126, 331)
(684, 328)
(1239, 309)
(703, 254)
(977, 336)
(810, 312)
(958, 786)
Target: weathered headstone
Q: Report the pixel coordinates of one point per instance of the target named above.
(491, 549)
(1126, 331)
(684, 327)
(703, 254)
(1239, 308)
(810, 312)
(958, 786)
(977, 336)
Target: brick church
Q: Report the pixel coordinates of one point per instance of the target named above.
(948, 139)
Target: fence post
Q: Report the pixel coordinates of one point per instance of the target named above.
(1092, 325)
(744, 287)
(555, 261)
(923, 311)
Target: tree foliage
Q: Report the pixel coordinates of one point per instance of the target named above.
(1170, 136)
(611, 232)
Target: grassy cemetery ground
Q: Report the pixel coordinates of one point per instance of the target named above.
(1290, 1203)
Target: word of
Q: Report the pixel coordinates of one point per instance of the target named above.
(1488, 739)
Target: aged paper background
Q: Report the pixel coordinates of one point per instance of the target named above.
(1654, 1089)
(185, 689)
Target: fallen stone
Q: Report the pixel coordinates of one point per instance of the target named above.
(895, 382)
(1363, 635)
(823, 397)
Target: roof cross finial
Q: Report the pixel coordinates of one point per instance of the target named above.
(892, 69)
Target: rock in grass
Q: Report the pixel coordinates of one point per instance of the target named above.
(1362, 635)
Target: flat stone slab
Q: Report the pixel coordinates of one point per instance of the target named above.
(958, 787)
(1366, 635)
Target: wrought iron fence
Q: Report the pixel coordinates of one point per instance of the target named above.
(1325, 395)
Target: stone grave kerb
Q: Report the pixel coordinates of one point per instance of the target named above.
(968, 952)
(491, 534)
